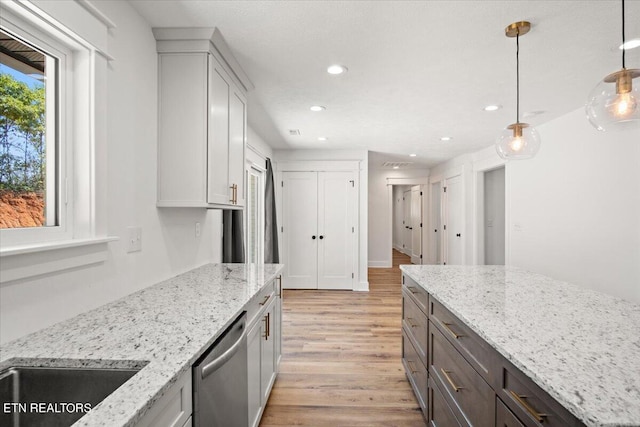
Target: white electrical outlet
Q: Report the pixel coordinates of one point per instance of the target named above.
(134, 239)
(197, 229)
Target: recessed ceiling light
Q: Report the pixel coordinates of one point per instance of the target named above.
(336, 69)
(396, 167)
(412, 155)
(446, 138)
(322, 138)
(317, 108)
(630, 44)
(492, 107)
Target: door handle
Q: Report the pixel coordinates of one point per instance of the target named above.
(458, 235)
(313, 237)
(410, 228)
(321, 237)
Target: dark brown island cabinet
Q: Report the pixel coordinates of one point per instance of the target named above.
(459, 379)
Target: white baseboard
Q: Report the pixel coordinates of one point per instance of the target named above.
(380, 264)
(362, 286)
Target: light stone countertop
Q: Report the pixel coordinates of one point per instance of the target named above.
(580, 346)
(166, 326)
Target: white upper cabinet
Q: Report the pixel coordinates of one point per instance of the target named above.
(202, 117)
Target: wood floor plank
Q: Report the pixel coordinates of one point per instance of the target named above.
(341, 358)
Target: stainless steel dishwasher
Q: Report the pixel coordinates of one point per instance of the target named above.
(220, 395)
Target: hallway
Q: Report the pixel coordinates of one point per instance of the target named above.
(341, 358)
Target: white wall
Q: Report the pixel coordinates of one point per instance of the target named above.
(574, 209)
(380, 212)
(169, 245)
(363, 158)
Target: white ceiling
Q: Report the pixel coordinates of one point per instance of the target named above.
(418, 70)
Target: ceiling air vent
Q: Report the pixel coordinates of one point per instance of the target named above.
(294, 132)
(396, 165)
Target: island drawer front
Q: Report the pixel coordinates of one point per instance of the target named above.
(504, 417)
(476, 350)
(529, 403)
(420, 296)
(415, 322)
(259, 301)
(468, 393)
(416, 371)
(440, 415)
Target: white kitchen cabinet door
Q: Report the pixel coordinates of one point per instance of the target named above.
(268, 350)
(336, 229)
(237, 137)
(219, 190)
(300, 229)
(416, 225)
(184, 144)
(254, 363)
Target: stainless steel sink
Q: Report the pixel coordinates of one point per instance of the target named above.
(54, 396)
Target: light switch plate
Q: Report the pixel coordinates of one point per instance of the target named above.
(134, 239)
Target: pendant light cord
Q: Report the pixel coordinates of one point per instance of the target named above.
(623, 47)
(518, 75)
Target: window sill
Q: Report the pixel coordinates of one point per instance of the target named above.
(23, 262)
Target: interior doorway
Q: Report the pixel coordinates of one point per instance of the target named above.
(494, 217)
(408, 220)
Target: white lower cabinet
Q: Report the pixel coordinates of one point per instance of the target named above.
(263, 354)
(174, 408)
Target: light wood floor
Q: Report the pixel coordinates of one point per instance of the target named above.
(341, 358)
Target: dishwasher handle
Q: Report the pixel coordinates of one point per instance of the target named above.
(213, 366)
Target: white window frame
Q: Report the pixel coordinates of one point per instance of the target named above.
(78, 32)
(57, 138)
(259, 173)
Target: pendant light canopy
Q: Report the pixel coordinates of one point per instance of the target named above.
(614, 104)
(518, 140)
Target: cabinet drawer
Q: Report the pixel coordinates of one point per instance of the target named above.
(259, 301)
(420, 296)
(477, 352)
(504, 417)
(440, 414)
(532, 405)
(415, 323)
(469, 395)
(416, 371)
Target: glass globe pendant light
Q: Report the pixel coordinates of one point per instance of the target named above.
(518, 140)
(614, 104)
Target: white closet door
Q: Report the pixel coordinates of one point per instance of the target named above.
(406, 215)
(416, 221)
(300, 233)
(336, 229)
(454, 221)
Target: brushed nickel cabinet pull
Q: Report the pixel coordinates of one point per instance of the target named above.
(266, 327)
(412, 289)
(279, 278)
(232, 200)
(446, 375)
(448, 328)
(265, 300)
(520, 400)
(412, 367)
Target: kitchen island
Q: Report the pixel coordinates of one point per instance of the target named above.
(579, 346)
(165, 328)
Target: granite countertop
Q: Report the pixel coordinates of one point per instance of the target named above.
(580, 346)
(164, 328)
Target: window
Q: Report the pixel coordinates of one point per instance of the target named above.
(28, 111)
(53, 66)
(255, 216)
